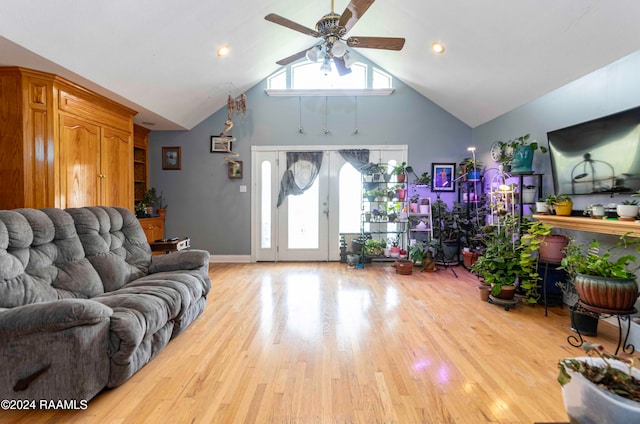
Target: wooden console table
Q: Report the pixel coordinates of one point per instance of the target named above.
(171, 245)
(604, 226)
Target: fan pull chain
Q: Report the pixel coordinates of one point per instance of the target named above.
(326, 113)
(356, 118)
(300, 129)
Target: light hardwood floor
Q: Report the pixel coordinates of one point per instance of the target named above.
(301, 343)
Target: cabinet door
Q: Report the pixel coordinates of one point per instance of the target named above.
(79, 163)
(153, 228)
(116, 166)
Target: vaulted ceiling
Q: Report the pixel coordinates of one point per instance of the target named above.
(159, 56)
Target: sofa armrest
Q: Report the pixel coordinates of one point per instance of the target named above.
(52, 316)
(182, 260)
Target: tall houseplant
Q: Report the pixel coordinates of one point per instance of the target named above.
(499, 265)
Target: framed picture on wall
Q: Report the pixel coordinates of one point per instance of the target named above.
(172, 158)
(220, 144)
(234, 169)
(443, 177)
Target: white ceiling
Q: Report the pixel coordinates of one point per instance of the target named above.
(159, 56)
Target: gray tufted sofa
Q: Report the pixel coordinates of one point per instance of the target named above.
(83, 304)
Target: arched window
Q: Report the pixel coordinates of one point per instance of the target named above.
(305, 75)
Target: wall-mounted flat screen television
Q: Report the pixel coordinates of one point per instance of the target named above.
(598, 156)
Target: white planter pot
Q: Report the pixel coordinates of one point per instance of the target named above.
(586, 403)
(542, 207)
(597, 211)
(627, 212)
(529, 195)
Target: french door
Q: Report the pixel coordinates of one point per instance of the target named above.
(306, 227)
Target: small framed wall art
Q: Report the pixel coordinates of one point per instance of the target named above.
(234, 169)
(220, 144)
(172, 158)
(443, 177)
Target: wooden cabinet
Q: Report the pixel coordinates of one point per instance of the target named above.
(26, 139)
(153, 228)
(62, 145)
(140, 162)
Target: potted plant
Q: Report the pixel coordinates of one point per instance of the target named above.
(537, 243)
(150, 198)
(400, 172)
(413, 203)
(373, 248)
(523, 150)
(161, 206)
(541, 207)
(470, 169)
(595, 211)
(560, 204)
(423, 180)
(627, 210)
(141, 209)
(499, 265)
(601, 281)
(447, 230)
(528, 194)
(605, 386)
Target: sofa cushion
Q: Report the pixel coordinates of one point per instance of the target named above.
(114, 243)
(41, 259)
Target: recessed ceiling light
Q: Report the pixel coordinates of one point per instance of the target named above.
(223, 51)
(437, 47)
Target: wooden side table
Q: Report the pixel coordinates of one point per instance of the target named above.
(170, 245)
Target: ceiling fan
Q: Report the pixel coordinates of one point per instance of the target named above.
(332, 28)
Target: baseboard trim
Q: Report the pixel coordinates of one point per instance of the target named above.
(230, 259)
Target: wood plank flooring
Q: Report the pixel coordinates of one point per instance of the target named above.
(299, 343)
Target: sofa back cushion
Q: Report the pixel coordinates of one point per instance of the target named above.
(42, 259)
(114, 243)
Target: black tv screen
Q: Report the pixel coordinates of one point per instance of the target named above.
(598, 156)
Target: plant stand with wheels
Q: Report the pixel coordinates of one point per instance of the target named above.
(502, 302)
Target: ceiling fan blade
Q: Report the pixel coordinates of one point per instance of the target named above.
(277, 19)
(292, 58)
(386, 43)
(352, 13)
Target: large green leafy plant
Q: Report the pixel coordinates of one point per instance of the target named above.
(589, 259)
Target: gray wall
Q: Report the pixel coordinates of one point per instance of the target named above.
(611, 89)
(207, 206)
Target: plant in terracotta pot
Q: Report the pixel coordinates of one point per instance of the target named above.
(400, 171)
(602, 281)
(600, 387)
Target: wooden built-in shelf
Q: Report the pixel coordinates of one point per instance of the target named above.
(603, 226)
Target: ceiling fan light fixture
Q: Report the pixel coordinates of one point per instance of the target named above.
(223, 51)
(339, 48)
(326, 66)
(348, 60)
(437, 47)
(312, 54)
